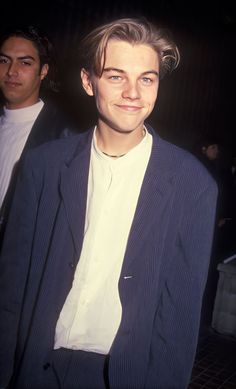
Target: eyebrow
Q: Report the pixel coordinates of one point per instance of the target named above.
(20, 58)
(122, 71)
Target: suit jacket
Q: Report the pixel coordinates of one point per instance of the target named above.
(167, 254)
(49, 125)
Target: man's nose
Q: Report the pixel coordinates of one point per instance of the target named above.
(12, 69)
(131, 90)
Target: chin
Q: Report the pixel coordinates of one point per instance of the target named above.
(127, 129)
(130, 127)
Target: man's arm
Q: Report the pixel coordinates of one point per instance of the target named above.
(176, 325)
(14, 265)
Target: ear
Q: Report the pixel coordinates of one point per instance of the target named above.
(44, 71)
(86, 82)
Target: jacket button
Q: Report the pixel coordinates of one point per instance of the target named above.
(46, 365)
(71, 264)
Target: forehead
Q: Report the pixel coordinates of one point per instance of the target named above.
(19, 47)
(127, 56)
(213, 146)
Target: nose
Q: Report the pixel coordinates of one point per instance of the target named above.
(12, 69)
(131, 90)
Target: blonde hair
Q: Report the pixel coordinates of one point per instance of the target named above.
(134, 31)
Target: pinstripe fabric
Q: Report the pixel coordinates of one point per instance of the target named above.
(167, 256)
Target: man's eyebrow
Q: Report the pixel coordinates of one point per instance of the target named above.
(4, 55)
(150, 72)
(21, 57)
(123, 71)
(27, 57)
(113, 70)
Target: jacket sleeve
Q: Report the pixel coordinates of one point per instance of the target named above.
(14, 264)
(176, 324)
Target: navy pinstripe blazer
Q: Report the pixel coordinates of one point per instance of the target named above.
(167, 255)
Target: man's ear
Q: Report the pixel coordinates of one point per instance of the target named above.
(86, 82)
(44, 71)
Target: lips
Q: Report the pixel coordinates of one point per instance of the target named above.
(129, 108)
(12, 84)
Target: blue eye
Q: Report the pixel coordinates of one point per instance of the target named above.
(147, 80)
(115, 78)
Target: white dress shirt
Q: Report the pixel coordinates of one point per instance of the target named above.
(15, 126)
(91, 315)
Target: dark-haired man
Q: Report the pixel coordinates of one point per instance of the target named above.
(109, 238)
(26, 60)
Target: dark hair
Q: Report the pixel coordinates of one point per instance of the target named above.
(134, 31)
(44, 48)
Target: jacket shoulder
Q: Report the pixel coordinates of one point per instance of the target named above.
(51, 123)
(57, 151)
(183, 165)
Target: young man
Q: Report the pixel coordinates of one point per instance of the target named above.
(107, 248)
(26, 60)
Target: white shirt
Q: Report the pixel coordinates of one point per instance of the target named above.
(15, 126)
(91, 315)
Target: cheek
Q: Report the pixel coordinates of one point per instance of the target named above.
(2, 72)
(105, 96)
(30, 76)
(108, 92)
(151, 98)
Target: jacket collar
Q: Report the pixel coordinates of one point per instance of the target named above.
(73, 187)
(155, 191)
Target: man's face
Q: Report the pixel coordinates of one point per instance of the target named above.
(126, 92)
(212, 152)
(20, 74)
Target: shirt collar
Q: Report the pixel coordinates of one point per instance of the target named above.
(131, 156)
(23, 114)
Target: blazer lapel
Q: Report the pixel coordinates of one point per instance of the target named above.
(40, 130)
(48, 126)
(73, 187)
(154, 195)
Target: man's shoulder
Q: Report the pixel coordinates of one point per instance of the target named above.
(179, 155)
(58, 150)
(51, 123)
(183, 164)
(51, 109)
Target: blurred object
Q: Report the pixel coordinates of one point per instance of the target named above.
(224, 313)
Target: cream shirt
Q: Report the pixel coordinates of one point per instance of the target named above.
(91, 315)
(15, 126)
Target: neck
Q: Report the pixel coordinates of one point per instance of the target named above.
(12, 106)
(116, 144)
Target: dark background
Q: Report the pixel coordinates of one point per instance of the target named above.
(196, 100)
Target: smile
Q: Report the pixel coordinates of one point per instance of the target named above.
(129, 108)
